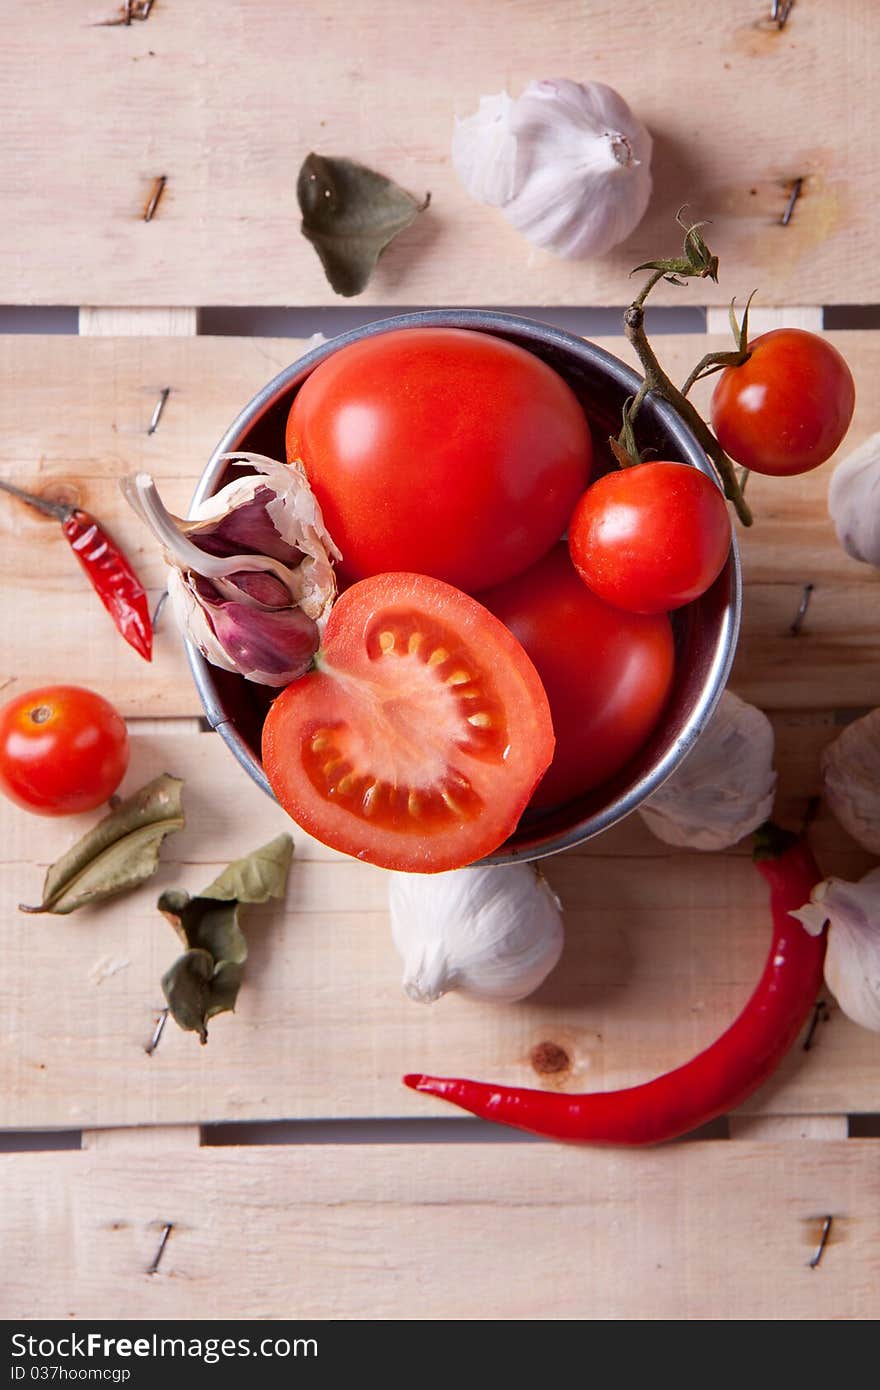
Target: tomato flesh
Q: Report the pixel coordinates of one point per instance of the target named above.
(650, 538)
(440, 451)
(607, 673)
(63, 749)
(417, 741)
(787, 408)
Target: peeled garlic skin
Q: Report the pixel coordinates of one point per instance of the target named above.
(851, 778)
(854, 501)
(852, 958)
(492, 932)
(725, 787)
(582, 176)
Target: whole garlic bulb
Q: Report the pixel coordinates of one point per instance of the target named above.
(568, 164)
(851, 778)
(490, 931)
(852, 959)
(725, 787)
(854, 501)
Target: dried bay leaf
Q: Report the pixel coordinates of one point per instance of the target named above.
(256, 878)
(350, 214)
(205, 980)
(119, 853)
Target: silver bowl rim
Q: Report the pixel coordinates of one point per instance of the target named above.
(489, 321)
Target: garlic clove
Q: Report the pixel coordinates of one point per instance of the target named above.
(725, 787)
(492, 932)
(484, 151)
(242, 526)
(854, 501)
(851, 779)
(270, 646)
(852, 958)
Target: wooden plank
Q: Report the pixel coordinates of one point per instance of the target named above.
(75, 418)
(382, 82)
(76, 422)
(470, 1231)
(779, 1127)
(762, 320)
(144, 323)
(322, 1028)
(141, 1138)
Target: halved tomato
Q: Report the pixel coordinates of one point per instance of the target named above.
(418, 739)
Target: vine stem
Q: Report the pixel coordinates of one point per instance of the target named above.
(713, 362)
(659, 383)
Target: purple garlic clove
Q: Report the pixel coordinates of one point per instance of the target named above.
(248, 529)
(250, 579)
(269, 646)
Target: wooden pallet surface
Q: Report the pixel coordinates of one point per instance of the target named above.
(662, 946)
(224, 101)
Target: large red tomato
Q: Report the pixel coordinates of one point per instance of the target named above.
(787, 408)
(419, 739)
(607, 673)
(63, 749)
(440, 451)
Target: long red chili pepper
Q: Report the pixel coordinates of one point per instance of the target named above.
(109, 571)
(713, 1082)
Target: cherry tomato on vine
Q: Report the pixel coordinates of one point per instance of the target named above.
(440, 451)
(419, 738)
(63, 749)
(607, 673)
(651, 537)
(788, 407)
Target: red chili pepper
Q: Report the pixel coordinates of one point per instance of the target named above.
(716, 1080)
(109, 571)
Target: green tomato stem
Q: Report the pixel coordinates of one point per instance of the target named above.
(659, 384)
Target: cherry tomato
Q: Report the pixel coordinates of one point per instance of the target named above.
(419, 739)
(651, 537)
(788, 407)
(63, 749)
(440, 451)
(607, 673)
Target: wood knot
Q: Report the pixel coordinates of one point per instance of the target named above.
(61, 493)
(549, 1059)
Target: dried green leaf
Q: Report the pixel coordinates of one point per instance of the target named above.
(187, 987)
(350, 214)
(209, 927)
(119, 853)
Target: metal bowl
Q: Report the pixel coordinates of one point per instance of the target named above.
(705, 631)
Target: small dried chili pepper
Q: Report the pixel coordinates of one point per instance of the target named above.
(109, 571)
(716, 1080)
